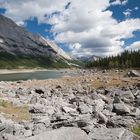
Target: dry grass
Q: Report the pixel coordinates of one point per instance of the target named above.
(13, 112)
(111, 79)
(136, 130)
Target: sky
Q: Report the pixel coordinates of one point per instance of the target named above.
(80, 27)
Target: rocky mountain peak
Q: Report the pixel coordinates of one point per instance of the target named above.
(17, 40)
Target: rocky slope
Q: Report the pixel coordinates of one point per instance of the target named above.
(15, 40)
(93, 106)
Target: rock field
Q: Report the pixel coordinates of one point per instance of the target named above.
(97, 105)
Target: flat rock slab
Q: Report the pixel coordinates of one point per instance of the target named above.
(111, 134)
(68, 133)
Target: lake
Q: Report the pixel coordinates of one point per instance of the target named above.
(34, 75)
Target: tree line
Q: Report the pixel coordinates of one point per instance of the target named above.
(127, 59)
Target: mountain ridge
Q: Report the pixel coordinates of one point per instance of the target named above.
(88, 58)
(17, 41)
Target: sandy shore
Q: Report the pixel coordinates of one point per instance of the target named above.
(6, 71)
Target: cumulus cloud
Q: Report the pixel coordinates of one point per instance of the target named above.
(86, 26)
(134, 46)
(119, 2)
(95, 29)
(20, 10)
(127, 13)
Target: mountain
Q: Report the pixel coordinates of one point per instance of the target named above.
(20, 48)
(88, 58)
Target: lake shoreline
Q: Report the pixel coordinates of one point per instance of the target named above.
(38, 74)
(12, 71)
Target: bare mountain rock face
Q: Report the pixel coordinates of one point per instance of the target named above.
(16, 41)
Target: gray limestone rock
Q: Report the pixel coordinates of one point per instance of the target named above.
(68, 109)
(68, 133)
(133, 73)
(37, 108)
(121, 108)
(39, 128)
(99, 105)
(84, 109)
(111, 134)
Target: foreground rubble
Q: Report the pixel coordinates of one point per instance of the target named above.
(71, 108)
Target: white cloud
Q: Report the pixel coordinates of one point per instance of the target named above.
(134, 46)
(21, 23)
(100, 34)
(119, 2)
(127, 13)
(20, 10)
(75, 46)
(86, 26)
(136, 8)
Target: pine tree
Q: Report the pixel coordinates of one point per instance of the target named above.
(125, 60)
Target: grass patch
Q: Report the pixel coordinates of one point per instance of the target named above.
(13, 112)
(10, 61)
(3, 103)
(136, 130)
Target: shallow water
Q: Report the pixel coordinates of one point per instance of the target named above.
(34, 75)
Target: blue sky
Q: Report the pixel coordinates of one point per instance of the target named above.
(118, 14)
(93, 27)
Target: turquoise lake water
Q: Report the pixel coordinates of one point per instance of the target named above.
(34, 75)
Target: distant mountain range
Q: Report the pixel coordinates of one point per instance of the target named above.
(88, 58)
(20, 48)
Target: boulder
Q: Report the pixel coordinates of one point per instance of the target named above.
(95, 96)
(117, 99)
(99, 105)
(137, 93)
(133, 73)
(39, 91)
(68, 133)
(102, 118)
(135, 112)
(101, 91)
(105, 98)
(138, 102)
(120, 121)
(125, 95)
(111, 134)
(34, 99)
(28, 133)
(109, 107)
(39, 128)
(50, 110)
(42, 119)
(20, 91)
(121, 108)
(37, 108)
(68, 109)
(85, 120)
(84, 109)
